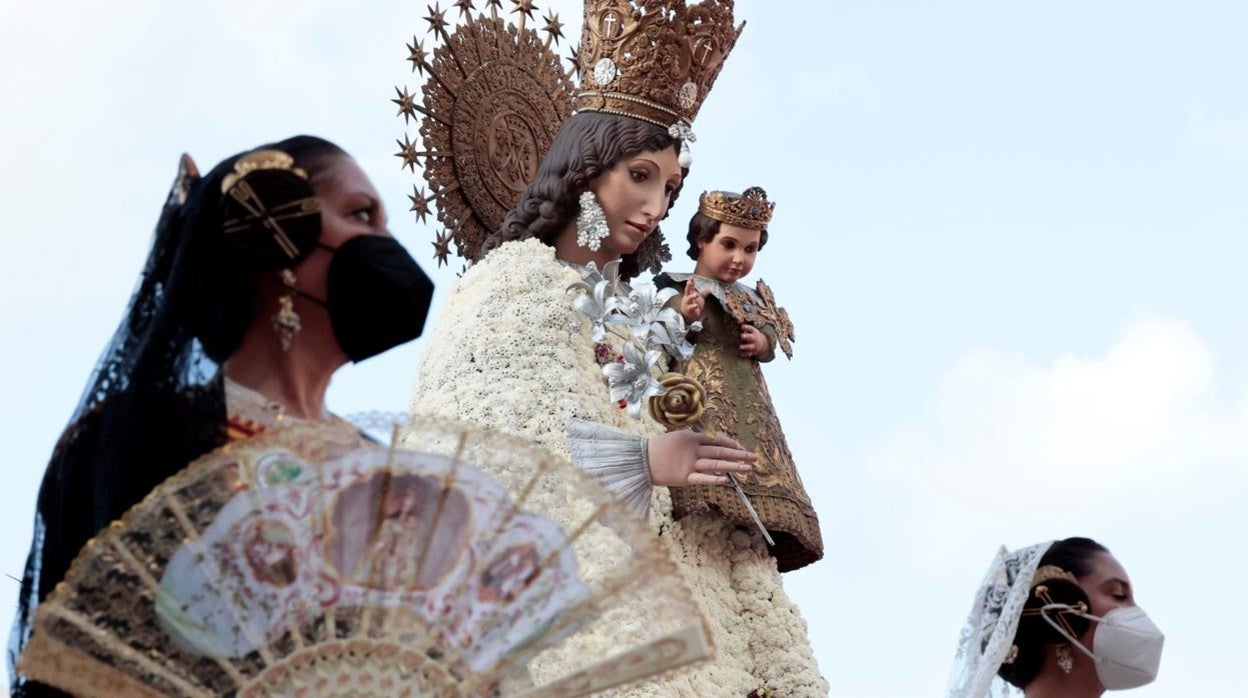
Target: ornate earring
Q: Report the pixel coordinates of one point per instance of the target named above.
(682, 132)
(591, 222)
(286, 320)
(1065, 660)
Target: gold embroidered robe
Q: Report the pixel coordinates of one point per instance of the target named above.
(739, 405)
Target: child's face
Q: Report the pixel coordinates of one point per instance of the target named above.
(729, 256)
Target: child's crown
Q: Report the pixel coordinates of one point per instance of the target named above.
(750, 209)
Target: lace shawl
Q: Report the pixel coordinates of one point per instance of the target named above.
(993, 621)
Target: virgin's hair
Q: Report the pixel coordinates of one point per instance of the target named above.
(589, 144)
(1035, 635)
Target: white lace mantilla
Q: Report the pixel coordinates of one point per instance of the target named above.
(510, 353)
(990, 628)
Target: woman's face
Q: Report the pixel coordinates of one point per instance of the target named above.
(350, 207)
(1107, 587)
(635, 194)
(729, 256)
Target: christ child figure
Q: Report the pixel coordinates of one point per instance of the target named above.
(741, 327)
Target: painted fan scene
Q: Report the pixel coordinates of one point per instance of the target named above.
(636, 348)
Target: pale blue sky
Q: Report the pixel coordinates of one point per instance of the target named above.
(1011, 236)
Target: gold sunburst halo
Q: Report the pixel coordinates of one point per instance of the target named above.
(493, 99)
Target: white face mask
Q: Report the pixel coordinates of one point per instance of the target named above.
(1128, 645)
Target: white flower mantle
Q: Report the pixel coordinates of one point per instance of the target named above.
(507, 354)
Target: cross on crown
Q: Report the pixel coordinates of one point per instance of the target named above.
(654, 60)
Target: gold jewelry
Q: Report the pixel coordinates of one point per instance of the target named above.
(1040, 590)
(750, 209)
(278, 204)
(1050, 572)
(260, 160)
(286, 320)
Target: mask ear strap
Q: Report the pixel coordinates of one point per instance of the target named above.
(1079, 609)
(302, 294)
(1041, 591)
(312, 299)
(293, 288)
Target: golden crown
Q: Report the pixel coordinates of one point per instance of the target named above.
(497, 95)
(653, 60)
(750, 209)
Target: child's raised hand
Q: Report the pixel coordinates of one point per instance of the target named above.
(692, 302)
(753, 342)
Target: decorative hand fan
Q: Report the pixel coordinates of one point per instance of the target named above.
(311, 562)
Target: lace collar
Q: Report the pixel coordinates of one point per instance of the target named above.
(715, 287)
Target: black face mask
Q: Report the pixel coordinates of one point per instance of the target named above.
(378, 296)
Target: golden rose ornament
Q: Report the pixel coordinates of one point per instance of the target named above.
(681, 404)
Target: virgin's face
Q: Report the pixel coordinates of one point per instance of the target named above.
(729, 256)
(634, 195)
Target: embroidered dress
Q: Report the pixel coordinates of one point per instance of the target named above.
(739, 405)
(510, 353)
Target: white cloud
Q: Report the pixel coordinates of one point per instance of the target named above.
(1019, 447)
(1141, 445)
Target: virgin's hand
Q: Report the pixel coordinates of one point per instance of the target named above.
(753, 342)
(687, 457)
(692, 302)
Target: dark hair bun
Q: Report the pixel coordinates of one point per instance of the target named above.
(272, 216)
(1074, 558)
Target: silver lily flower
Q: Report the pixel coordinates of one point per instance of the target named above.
(653, 329)
(672, 338)
(633, 379)
(597, 297)
(644, 308)
(610, 271)
(649, 318)
(593, 304)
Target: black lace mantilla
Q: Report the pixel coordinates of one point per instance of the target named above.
(154, 403)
